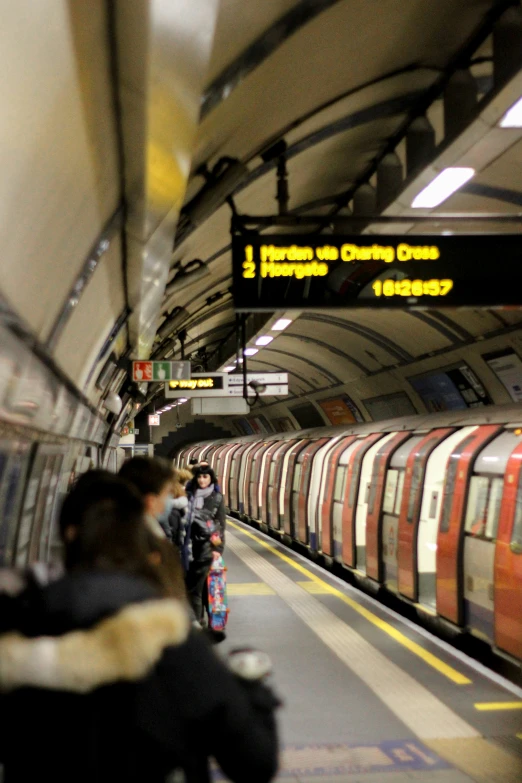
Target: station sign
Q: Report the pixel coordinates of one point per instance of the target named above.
(199, 385)
(154, 420)
(159, 371)
(236, 379)
(225, 385)
(284, 271)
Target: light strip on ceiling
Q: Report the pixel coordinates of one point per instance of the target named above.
(281, 324)
(513, 117)
(446, 183)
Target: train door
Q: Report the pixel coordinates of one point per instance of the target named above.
(228, 466)
(318, 480)
(353, 479)
(407, 505)
(249, 475)
(290, 489)
(395, 489)
(302, 520)
(450, 539)
(363, 497)
(217, 464)
(242, 480)
(276, 494)
(335, 498)
(375, 497)
(262, 482)
(269, 478)
(508, 561)
(253, 495)
(428, 529)
(295, 493)
(480, 534)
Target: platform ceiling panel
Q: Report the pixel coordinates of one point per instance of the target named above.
(273, 96)
(93, 318)
(57, 149)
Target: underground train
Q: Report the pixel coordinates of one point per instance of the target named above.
(429, 508)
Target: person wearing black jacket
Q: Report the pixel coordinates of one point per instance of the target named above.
(104, 675)
(204, 534)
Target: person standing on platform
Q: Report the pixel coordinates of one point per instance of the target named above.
(204, 534)
(153, 478)
(134, 694)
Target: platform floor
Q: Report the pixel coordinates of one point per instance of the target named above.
(367, 695)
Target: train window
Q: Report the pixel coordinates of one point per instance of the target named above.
(233, 467)
(400, 488)
(340, 482)
(449, 487)
(477, 504)
(390, 491)
(516, 536)
(273, 466)
(297, 476)
(355, 475)
(495, 500)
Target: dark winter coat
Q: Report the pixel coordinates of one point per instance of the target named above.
(203, 523)
(177, 519)
(124, 692)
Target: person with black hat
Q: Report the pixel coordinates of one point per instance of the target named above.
(204, 533)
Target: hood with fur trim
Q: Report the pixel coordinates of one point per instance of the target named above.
(125, 647)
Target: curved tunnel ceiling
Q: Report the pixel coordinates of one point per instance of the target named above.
(339, 101)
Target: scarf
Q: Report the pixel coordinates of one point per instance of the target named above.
(201, 495)
(195, 502)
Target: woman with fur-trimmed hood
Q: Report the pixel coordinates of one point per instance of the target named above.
(102, 679)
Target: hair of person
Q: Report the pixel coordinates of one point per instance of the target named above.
(205, 470)
(149, 475)
(193, 461)
(106, 514)
(183, 475)
(166, 561)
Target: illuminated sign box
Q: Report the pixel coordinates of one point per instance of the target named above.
(199, 385)
(285, 271)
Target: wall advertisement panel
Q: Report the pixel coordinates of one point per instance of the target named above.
(507, 366)
(341, 410)
(451, 388)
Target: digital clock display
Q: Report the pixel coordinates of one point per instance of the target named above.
(302, 271)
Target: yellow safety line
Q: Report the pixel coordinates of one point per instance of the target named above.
(518, 736)
(432, 660)
(249, 588)
(499, 705)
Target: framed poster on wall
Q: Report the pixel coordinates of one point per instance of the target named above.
(340, 410)
(451, 388)
(507, 366)
(389, 406)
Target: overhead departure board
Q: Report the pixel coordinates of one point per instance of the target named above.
(302, 271)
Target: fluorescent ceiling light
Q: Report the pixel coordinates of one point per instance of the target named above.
(513, 117)
(229, 369)
(264, 340)
(281, 324)
(446, 183)
(251, 351)
(182, 400)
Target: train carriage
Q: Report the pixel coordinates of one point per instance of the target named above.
(429, 509)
